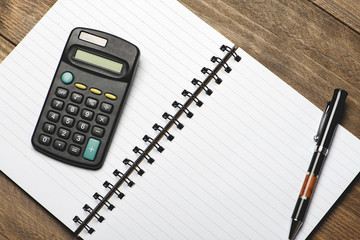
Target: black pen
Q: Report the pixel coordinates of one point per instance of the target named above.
(329, 121)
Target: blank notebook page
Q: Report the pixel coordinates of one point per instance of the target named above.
(233, 172)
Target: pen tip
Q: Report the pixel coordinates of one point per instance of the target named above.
(295, 226)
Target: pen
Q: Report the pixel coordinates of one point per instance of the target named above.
(329, 121)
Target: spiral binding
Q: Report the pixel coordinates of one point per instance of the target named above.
(129, 162)
(154, 142)
(101, 199)
(197, 82)
(183, 108)
(178, 124)
(150, 140)
(225, 65)
(121, 176)
(88, 229)
(143, 154)
(206, 70)
(97, 216)
(108, 185)
(198, 102)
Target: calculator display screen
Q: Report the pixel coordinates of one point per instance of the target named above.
(98, 61)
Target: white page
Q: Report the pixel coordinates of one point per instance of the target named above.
(224, 174)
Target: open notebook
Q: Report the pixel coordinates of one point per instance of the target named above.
(233, 172)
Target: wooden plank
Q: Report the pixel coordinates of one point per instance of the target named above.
(5, 48)
(17, 18)
(347, 11)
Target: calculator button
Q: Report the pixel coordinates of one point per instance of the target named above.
(64, 133)
(101, 119)
(57, 104)
(91, 102)
(79, 138)
(80, 86)
(44, 140)
(59, 145)
(61, 92)
(72, 109)
(49, 128)
(53, 116)
(110, 96)
(95, 91)
(91, 149)
(74, 150)
(98, 131)
(83, 126)
(68, 121)
(106, 107)
(67, 77)
(76, 97)
(87, 114)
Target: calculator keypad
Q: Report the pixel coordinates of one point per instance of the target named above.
(76, 123)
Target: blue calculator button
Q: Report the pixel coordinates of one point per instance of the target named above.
(91, 149)
(67, 77)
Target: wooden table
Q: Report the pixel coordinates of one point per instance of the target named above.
(313, 45)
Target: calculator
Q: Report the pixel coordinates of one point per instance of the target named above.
(86, 97)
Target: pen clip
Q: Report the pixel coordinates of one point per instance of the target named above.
(322, 122)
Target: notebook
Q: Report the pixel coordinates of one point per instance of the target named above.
(233, 171)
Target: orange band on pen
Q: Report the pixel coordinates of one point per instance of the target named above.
(308, 186)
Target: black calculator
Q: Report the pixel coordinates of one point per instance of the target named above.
(86, 97)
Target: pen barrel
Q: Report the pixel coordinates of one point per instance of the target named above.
(333, 116)
(308, 186)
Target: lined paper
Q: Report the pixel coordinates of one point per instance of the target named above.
(233, 172)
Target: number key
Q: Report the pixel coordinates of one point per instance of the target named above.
(87, 114)
(83, 126)
(64, 133)
(57, 104)
(68, 121)
(53, 116)
(72, 109)
(79, 138)
(49, 128)
(44, 140)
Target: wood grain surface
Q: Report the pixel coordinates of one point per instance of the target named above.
(345, 11)
(313, 45)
